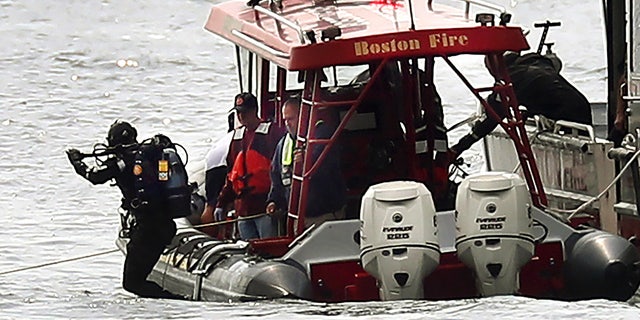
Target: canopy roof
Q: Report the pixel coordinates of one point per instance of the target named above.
(370, 30)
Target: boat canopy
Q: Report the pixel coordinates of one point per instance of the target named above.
(306, 35)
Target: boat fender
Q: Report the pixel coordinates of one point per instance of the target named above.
(161, 179)
(601, 265)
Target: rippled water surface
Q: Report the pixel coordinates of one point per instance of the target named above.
(70, 68)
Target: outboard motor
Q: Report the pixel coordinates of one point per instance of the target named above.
(398, 241)
(494, 225)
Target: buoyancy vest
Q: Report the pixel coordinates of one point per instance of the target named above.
(161, 182)
(250, 171)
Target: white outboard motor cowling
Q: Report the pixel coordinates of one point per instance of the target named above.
(398, 240)
(494, 225)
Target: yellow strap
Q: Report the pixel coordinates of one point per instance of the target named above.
(287, 151)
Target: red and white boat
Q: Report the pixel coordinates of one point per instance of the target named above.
(410, 232)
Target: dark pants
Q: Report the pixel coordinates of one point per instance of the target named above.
(147, 242)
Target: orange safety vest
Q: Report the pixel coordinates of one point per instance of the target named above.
(250, 173)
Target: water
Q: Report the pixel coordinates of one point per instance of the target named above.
(70, 68)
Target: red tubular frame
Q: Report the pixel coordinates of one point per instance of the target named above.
(311, 103)
(513, 125)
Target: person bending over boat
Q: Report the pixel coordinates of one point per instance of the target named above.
(539, 87)
(249, 158)
(327, 192)
(153, 226)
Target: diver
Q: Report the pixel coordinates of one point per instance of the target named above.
(152, 226)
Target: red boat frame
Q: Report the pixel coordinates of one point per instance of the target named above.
(300, 35)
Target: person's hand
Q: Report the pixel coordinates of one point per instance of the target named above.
(271, 208)
(446, 158)
(74, 155)
(218, 214)
(616, 135)
(297, 155)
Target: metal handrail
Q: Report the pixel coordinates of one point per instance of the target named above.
(284, 20)
(575, 126)
(259, 44)
(479, 3)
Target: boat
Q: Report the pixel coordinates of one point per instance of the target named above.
(416, 226)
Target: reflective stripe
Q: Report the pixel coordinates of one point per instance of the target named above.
(238, 134)
(287, 151)
(263, 128)
(121, 164)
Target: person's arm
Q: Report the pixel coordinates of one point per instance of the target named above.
(276, 193)
(619, 130)
(482, 128)
(227, 195)
(214, 182)
(99, 174)
(215, 175)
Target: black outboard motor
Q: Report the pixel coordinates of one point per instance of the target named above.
(601, 265)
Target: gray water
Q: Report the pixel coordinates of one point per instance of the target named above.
(70, 68)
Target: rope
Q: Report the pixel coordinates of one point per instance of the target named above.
(115, 250)
(601, 194)
(218, 223)
(60, 261)
(582, 207)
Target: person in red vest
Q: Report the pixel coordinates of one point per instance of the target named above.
(249, 160)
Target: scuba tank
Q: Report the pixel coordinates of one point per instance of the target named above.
(161, 179)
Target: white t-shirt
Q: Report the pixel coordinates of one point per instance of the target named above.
(217, 155)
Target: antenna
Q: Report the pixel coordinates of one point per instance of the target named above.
(545, 25)
(413, 24)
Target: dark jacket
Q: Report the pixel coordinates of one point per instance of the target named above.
(327, 190)
(539, 87)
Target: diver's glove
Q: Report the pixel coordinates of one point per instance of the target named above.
(75, 157)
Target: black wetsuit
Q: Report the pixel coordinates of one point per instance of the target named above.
(541, 89)
(152, 231)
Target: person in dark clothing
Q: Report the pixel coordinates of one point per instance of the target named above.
(153, 227)
(539, 87)
(327, 192)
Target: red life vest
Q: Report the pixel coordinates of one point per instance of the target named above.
(250, 173)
